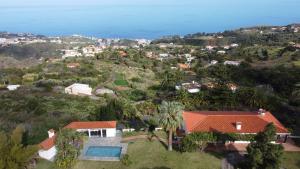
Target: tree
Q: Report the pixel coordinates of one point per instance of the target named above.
(68, 144)
(14, 154)
(262, 154)
(170, 118)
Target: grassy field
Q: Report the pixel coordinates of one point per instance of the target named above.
(151, 155)
(291, 160)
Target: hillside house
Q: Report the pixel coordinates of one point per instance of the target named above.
(193, 87)
(232, 122)
(91, 129)
(12, 87)
(70, 54)
(233, 63)
(79, 89)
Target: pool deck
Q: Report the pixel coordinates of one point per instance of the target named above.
(98, 141)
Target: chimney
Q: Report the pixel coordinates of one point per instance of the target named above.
(238, 125)
(261, 112)
(51, 133)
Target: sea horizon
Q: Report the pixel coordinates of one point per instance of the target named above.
(148, 20)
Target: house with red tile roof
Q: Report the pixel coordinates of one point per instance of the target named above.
(232, 122)
(92, 129)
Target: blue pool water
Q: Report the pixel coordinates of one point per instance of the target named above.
(142, 18)
(104, 151)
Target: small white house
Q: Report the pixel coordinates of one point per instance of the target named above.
(79, 89)
(192, 88)
(234, 63)
(234, 45)
(213, 62)
(222, 52)
(92, 129)
(12, 87)
(71, 53)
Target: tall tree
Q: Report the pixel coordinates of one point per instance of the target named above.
(170, 118)
(68, 144)
(262, 154)
(14, 155)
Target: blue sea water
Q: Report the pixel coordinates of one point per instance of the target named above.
(142, 18)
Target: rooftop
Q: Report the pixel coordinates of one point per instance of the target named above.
(50, 142)
(225, 122)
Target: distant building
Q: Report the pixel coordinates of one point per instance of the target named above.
(73, 65)
(12, 87)
(209, 47)
(213, 62)
(183, 66)
(232, 87)
(234, 45)
(91, 50)
(234, 63)
(226, 47)
(71, 53)
(79, 89)
(193, 87)
(222, 52)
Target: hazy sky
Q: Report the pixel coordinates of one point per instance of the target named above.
(89, 2)
(134, 2)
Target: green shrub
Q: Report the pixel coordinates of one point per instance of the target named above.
(121, 82)
(197, 140)
(125, 160)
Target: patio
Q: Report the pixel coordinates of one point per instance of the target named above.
(102, 142)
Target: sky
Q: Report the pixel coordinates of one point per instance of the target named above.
(89, 2)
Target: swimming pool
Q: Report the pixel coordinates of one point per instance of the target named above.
(103, 151)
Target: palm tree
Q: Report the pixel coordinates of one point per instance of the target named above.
(170, 118)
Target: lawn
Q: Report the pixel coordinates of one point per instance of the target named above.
(152, 155)
(291, 160)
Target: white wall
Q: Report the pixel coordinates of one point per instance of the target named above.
(78, 90)
(111, 132)
(48, 154)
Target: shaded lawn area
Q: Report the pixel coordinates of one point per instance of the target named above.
(152, 155)
(291, 160)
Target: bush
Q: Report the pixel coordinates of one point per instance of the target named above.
(125, 160)
(197, 140)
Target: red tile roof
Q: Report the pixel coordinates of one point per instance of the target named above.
(50, 142)
(225, 122)
(92, 125)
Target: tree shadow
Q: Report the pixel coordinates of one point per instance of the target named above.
(161, 141)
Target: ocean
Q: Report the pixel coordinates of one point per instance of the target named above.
(144, 18)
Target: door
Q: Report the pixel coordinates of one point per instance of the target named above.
(103, 132)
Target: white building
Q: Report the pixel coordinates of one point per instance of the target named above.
(193, 87)
(79, 89)
(12, 87)
(209, 47)
(92, 129)
(234, 63)
(91, 50)
(213, 62)
(222, 52)
(71, 53)
(234, 45)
